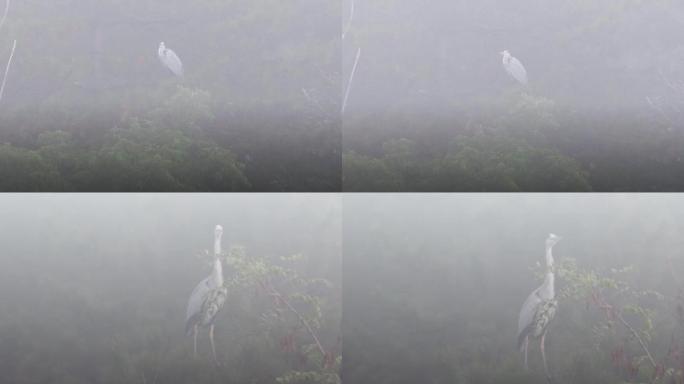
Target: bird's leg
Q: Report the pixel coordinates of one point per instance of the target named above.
(194, 336)
(543, 353)
(525, 344)
(211, 339)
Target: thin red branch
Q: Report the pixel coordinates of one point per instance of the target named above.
(281, 298)
(613, 313)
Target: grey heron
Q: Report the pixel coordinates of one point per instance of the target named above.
(170, 60)
(207, 298)
(539, 308)
(514, 67)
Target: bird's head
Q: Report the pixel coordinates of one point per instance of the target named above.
(552, 240)
(502, 53)
(162, 45)
(218, 231)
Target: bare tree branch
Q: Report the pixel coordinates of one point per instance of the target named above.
(602, 304)
(638, 338)
(275, 293)
(9, 62)
(4, 14)
(351, 79)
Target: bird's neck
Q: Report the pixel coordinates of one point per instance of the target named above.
(548, 288)
(217, 246)
(218, 267)
(218, 271)
(549, 258)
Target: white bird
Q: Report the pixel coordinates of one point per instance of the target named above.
(514, 67)
(539, 308)
(207, 298)
(170, 60)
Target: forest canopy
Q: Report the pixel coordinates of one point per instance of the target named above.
(601, 111)
(90, 107)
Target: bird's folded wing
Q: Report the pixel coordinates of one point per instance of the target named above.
(526, 317)
(195, 302)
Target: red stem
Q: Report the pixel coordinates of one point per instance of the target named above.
(275, 293)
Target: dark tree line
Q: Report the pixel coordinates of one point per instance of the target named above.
(602, 110)
(89, 107)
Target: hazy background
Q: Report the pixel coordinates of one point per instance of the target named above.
(94, 288)
(88, 106)
(432, 109)
(433, 284)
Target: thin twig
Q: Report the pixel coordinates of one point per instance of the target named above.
(351, 78)
(275, 293)
(603, 305)
(9, 62)
(636, 335)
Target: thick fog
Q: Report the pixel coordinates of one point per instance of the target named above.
(244, 96)
(94, 288)
(434, 285)
(75, 53)
(431, 106)
(583, 54)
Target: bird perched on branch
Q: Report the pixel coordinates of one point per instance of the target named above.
(539, 308)
(170, 60)
(514, 67)
(207, 299)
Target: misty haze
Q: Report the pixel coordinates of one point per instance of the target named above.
(94, 288)
(241, 96)
(434, 287)
(591, 100)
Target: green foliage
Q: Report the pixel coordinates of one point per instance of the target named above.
(481, 162)
(254, 101)
(297, 309)
(439, 280)
(26, 170)
(583, 284)
(626, 327)
(145, 157)
(140, 157)
(602, 110)
(328, 376)
(101, 297)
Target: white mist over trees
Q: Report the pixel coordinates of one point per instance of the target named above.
(432, 108)
(89, 107)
